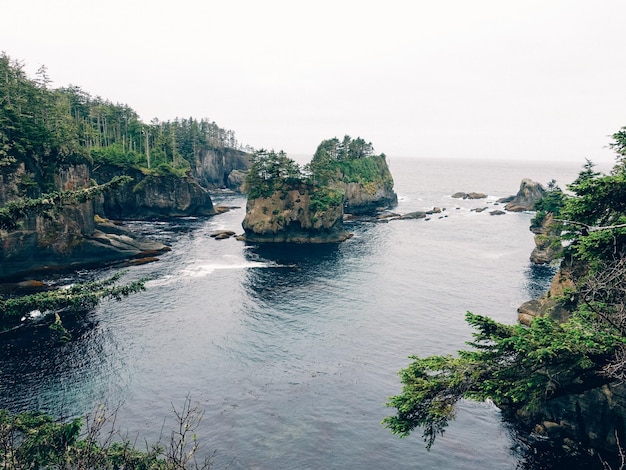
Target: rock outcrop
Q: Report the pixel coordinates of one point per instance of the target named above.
(288, 217)
(548, 245)
(153, 196)
(471, 195)
(551, 303)
(529, 193)
(217, 168)
(368, 198)
(74, 237)
(367, 185)
(581, 422)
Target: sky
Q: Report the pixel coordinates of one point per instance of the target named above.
(480, 79)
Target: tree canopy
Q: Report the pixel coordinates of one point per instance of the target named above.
(43, 128)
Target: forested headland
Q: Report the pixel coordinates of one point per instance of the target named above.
(561, 375)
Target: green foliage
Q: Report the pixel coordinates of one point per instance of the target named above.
(552, 202)
(165, 169)
(36, 440)
(115, 155)
(78, 297)
(323, 199)
(598, 201)
(348, 161)
(271, 172)
(44, 128)
(515, 366)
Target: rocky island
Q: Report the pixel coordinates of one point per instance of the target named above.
(287, 203)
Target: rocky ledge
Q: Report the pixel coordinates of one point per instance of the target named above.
(50, 247)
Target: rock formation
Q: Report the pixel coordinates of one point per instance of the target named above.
(370, 197)
(529, 193)
(74, 237)
(153, 196)
(547, 241)
(220, 168)
(472, 195)
(289, 217)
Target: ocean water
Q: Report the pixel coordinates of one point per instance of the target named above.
(291, 352)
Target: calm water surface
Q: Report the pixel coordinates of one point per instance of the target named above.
(293, 351)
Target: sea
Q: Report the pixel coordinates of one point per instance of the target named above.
(291, 352)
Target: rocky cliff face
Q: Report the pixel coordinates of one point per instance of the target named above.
(153, 197)
(368, 198)
(69, 238)
(547, 241)
(214, 167)
(589, 420)
(287, 217)
(367, 185)
(577, 423)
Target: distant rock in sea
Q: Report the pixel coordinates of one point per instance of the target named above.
(472, 195)
(529, 193)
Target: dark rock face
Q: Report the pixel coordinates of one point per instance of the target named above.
(374, 190)
(69, 240)
(214, 167)
(287, 217)
(235, 180)
(153, 197)
(529, 193)
(577, 423)
(368, 199)
(157, 197)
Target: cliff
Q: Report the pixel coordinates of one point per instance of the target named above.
(71, 237)
(220, 168)
(367, 185)
(583, 422)
(548, 245)
(153, 196)
(292, 216)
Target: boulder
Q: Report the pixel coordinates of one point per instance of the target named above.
(235, 180)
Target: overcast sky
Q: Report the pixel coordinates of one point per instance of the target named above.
(505, 79)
